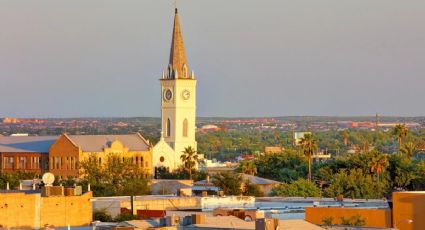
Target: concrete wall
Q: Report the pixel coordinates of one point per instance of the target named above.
(19, 210)
(13, 206)
(210, 203)
(373, 217)
(409, 210)
(113, 205)
(61, 211)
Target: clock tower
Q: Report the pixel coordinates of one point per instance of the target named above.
(178, 98)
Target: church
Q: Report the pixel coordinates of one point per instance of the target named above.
(178, 106)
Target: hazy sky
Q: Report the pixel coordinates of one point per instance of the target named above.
(252, 57)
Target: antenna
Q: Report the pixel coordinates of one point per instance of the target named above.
(175, 5)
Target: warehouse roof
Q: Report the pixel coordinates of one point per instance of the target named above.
(26, 144)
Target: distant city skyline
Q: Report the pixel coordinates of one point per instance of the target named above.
(274, 58)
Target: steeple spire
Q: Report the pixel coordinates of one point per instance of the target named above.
(178, 66)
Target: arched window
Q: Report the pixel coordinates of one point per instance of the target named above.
(168, 133)
(185, 127)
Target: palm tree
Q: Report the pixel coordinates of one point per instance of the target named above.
(345, 136)
(378, 164)
(408, 149)
(189, 159)
(248, 167)
(309, 146)
(400, 131)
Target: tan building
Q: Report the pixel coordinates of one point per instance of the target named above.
(39, 211)
(69, 150)
(25, 153)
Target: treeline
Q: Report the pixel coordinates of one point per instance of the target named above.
(228, 144)
(367, 175)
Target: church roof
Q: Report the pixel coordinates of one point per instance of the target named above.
(97, 143)
(26, 144)
(178, 66)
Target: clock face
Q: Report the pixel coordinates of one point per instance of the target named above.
(186, 94)
(168, 94)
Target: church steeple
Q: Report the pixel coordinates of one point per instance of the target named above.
(178, 67)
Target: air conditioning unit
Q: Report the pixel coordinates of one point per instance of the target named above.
(52, 191)
(267, 224)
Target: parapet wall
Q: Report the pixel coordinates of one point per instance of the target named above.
(20, 210)
(373, 217)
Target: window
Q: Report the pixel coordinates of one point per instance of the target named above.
(168, 133)
(141, 162)
(161, 159)
(100, 161)
(8, 162)
(185, 127)
(22, 162)
(72, 162)
(57, 163)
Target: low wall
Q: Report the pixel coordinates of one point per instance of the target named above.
(210, 203)
(63, 210)
(29, 211)
(113, 205)
(373, 217)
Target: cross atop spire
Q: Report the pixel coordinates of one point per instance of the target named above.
(178, 67)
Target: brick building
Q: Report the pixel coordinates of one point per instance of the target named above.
(25, 153)
(69, 150)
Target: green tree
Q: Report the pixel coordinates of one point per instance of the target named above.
(229, 183)
(355, 183)
(345, 136)
(285, 167)
(300, 188)
(116, 176)
(309, 146)
(408, 149)
(400, 131)
(189, 159)
(247, 167)
(251, 189)
(402, 171)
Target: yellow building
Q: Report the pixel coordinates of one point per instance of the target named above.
(178, 105)
(69, 150)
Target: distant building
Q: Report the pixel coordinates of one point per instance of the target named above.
(273, 149)
(209, 128)
(10, 120)
(25, 153)
(298, 136)
(69, 150)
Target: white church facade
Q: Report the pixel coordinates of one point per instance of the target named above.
(178, 106)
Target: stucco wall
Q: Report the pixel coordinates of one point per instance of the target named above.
(19, 210)
(409, 210)
(15, 206)
(373, 217)
(61, 211)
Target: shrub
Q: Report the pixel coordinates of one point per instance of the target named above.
(102, 215)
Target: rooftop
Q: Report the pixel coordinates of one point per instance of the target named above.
(97, 143)
(26, 144)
